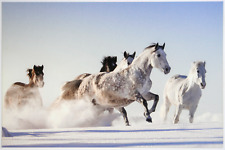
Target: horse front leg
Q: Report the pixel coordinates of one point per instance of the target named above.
(139, 98)
(151, 96)
(177, 114)
(191, 113)
(124, 113)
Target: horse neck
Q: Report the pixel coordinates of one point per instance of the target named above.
(143, 63)
(122, 65)
(191, 79)
(31, 83)
(104, 68)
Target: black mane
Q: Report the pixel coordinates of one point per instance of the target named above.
(107, 63)
(152, 45)
(156, 45)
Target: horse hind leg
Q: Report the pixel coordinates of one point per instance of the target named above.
(124, 113)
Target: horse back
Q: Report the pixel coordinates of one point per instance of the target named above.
(82, 76)
(70, 88)
(173, 87)
(19, 84)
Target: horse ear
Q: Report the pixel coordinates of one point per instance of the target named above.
(125, 54)
(115, 58)
(163, 45)
(42, 67)
(156, 46)
(134, 54)
(204, 65)
(29, 72)
(35, 67)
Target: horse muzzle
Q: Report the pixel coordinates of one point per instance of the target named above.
(167, 70)
(41, 84)
(203, 85)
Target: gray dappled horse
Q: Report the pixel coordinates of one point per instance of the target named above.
(119, 89)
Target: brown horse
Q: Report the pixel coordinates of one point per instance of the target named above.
(21, 94)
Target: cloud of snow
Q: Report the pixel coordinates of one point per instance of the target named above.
(25, 118)
(67, 114)
(78, 113)
(209, 117)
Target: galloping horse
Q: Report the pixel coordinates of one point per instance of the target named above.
(21, 94)
(185, 91)
(119, 89)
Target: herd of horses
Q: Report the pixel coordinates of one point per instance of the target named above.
(117, 86)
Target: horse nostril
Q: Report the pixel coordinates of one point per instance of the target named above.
(202, 85)
(168, 69)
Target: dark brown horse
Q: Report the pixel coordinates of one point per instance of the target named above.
(21, 94)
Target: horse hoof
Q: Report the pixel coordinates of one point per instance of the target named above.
(149, 119)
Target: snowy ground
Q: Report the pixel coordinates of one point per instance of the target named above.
(196, 135)
(76, 125)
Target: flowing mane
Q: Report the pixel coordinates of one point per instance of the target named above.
(107, 59)
(156, 45)
(109, 63)
(151, 46)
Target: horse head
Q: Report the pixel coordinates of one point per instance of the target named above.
(158, 58)
(37, 75)
(129, 58)
(109, 64)
(198, 72)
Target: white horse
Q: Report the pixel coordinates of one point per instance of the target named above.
(125, 62)
(185, 91)
(20, 94)
(119, 89)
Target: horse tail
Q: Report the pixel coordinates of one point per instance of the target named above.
(69, 89)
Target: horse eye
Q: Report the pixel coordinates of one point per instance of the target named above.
(158, 55)
(197, 71)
